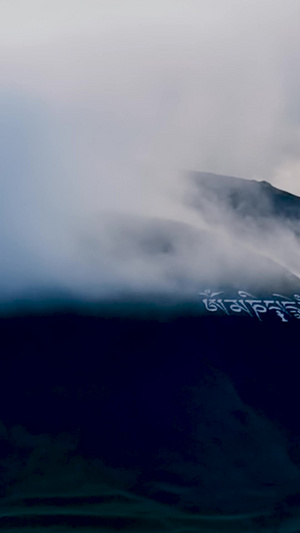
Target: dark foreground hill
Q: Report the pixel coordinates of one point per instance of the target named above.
(174, 410)
(123, 422)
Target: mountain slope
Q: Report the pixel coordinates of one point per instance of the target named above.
(248, 198)
(261, 216)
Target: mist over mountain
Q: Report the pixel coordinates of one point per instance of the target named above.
(250, 199)
(153, 383)
(149, 320)
(244, 235)
(263, 217)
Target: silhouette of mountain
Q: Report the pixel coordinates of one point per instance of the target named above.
(170, 406)
(258, 200)
(259, 215)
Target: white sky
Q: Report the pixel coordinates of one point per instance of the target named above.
(206, 84)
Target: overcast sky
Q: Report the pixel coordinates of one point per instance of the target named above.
(212, 85)
(103, 104)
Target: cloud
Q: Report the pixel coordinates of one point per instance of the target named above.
(104, 105)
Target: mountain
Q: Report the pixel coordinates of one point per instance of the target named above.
(258, 200)
(165, 263)
(260, 215)
(172, 403)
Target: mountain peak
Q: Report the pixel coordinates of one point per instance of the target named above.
(245, 197)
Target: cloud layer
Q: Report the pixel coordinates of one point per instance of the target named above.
(104, 105)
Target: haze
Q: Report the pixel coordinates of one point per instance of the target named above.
(105, 104)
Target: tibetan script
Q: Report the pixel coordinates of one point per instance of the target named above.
(284, 307)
